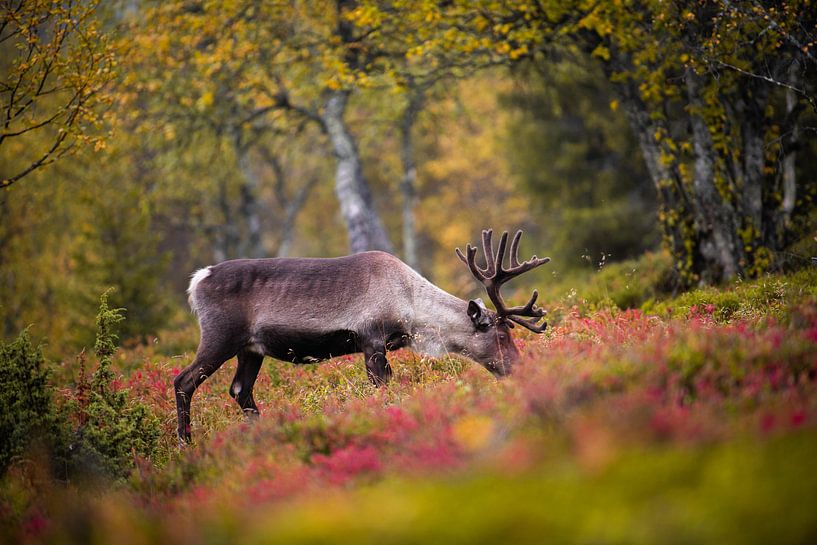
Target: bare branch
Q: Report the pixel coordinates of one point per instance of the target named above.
(771, 80)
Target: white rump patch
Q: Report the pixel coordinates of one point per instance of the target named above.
(197, 277)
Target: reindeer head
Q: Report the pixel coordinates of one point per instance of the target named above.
(491, 343)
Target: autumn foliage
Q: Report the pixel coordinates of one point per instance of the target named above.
(618, 424)
(661, 152)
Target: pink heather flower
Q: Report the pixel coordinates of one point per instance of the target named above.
(348, 462)
(35, 524)
(798, 418)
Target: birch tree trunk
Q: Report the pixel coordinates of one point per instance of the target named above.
(715, 219)
(790, 159)
(291, 210)
(226, 233)
(674, 213)
(365, 229)
(709, 136)
(251, 244)
(754, 160)
(408, 185)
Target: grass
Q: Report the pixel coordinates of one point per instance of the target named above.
(693, 422)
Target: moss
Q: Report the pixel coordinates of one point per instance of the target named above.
(623, 285)
(774, 296)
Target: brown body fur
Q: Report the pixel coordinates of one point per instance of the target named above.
(304, 310)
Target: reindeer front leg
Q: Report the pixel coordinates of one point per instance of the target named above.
(377, 366)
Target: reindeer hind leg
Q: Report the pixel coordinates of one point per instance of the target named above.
(241, 389)
(210, 355)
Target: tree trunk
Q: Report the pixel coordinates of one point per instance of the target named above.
(408, 185)
(674, 216)
(226, 233)
(754, 161)
(291, 207)
(251, 244)
(790, 158)
(715, 219)
(721, 218)
(291, 211)
(365, 229)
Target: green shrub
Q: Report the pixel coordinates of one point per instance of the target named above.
(112, 428)
(109, 429)
(27, 411)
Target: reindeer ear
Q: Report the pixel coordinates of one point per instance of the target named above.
(478, 313)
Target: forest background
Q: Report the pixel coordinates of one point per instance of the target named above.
(661, 153)
(143, 140)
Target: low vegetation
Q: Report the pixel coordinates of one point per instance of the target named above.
(693, 422)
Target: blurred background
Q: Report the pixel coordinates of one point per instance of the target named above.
(662, 153)
(143, 140)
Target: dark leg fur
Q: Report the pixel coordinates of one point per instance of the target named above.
(377, 366)
(249, 363)
(209, 357)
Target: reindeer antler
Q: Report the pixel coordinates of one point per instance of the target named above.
(495, 274)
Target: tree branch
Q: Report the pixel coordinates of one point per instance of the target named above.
(771, 80)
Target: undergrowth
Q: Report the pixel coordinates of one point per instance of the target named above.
(693, 422)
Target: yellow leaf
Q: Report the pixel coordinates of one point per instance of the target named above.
(473, 432)
(601, 52)
(205, 100)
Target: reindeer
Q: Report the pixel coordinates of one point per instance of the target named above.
(305, 310)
